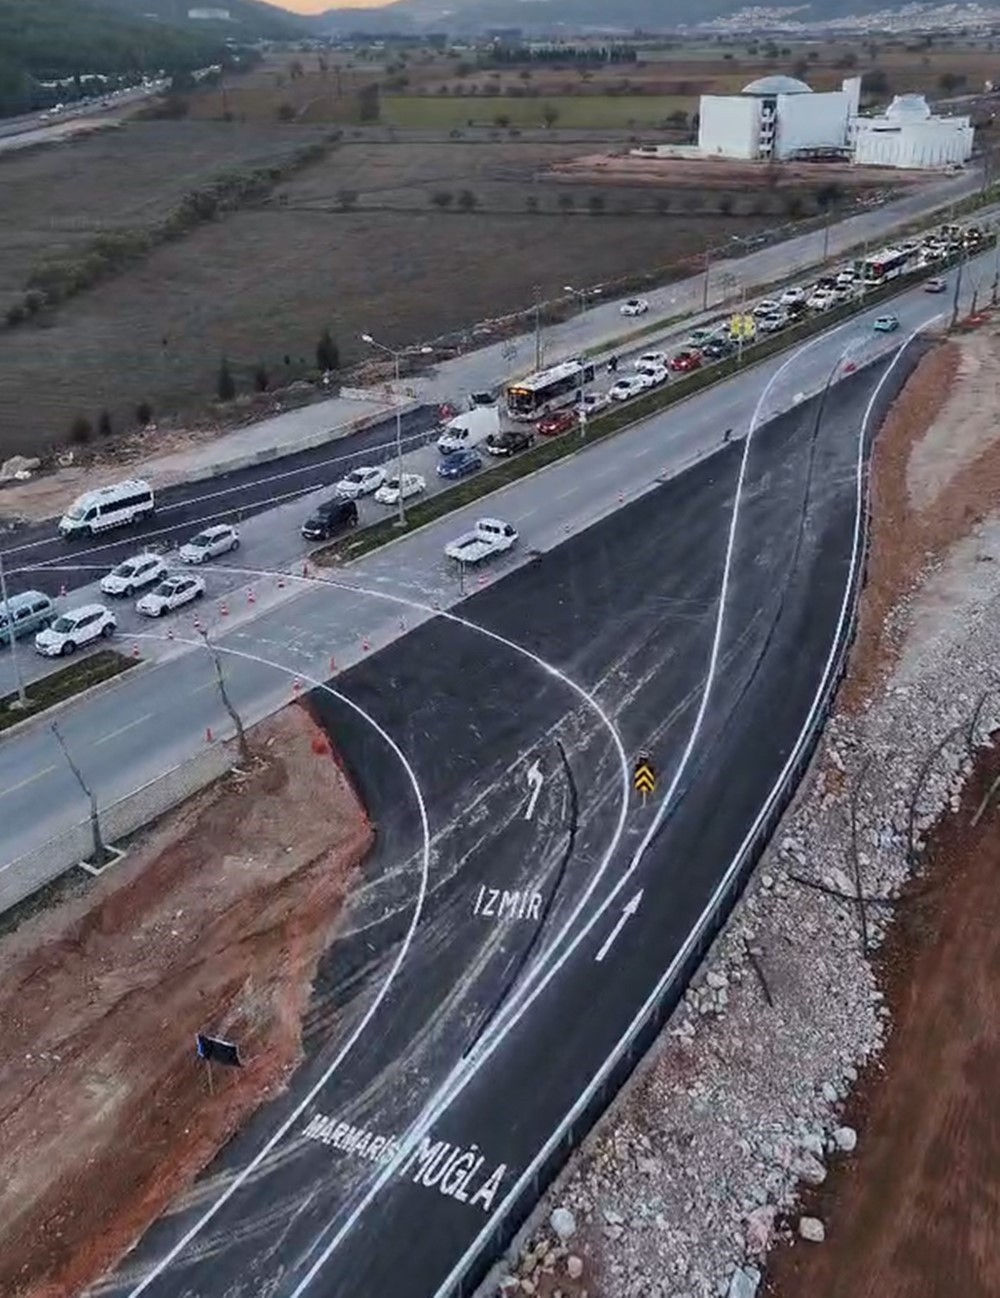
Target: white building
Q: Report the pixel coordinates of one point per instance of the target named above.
(907, 134)
(781, 118)
(777, 117)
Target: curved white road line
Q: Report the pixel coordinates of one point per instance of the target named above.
(505, 1022)
(671, 972)
(289, 1122)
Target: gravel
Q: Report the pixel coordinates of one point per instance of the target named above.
(697, 1170)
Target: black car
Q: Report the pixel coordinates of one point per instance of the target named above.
(716, 348)
(332, 517)
(509, 442)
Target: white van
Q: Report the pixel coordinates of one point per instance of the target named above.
(469, 429)
(117, 505)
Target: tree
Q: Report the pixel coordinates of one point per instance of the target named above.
(502, 120)
(950, 82)
(347, 199)
(829, 195)
(369, 104)
(104, 426)
(143, 414)
(327, 352)
(442, 198)
(678, 120)
(285, 112)
(467, 200)
(726, 204)
(875, 82)
(531, 203)
(565, 202)
(225, 385)
(81, 430)
(596, 204)
(550, 115)
(261, 381)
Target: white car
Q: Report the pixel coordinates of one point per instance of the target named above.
(132, 574)
(634, 306)
(792, 296)
(660, 359)
(210, 543)
(821, 300)
(77, 627)
(389, 493)
(653, 374)
(771, 324)
(625, 389)
(594, 401)
(360, 482)
(767, 307)
(171, 594)
(846, 278)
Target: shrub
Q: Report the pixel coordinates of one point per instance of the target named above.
(104, 426)
(467, 200)
(260, 379)
(144, 414)
(442, 198)
(80, 430)
(16, 314)
(225, 385)
(327, 352)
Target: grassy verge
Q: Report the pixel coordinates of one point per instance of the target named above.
(64, 684)
(606, 425)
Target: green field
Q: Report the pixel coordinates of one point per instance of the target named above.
(446, 112)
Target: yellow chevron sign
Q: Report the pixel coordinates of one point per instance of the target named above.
(644, 777)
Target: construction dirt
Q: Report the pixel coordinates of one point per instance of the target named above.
(915, 1212)
(214, 922)
(690, 169)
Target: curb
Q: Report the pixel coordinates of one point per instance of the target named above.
(92, 691)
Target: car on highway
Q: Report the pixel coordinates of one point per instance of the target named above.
(560, 421)
(697, 338)
(75, 627)
(360, 482)
(210, 543)
(173, 593)
(650, 358)
(626, 389)
(886, 324)
(847, 277)
(330, 519)
(686, 361)
(459, 464)
(132, 574)
(488, 537)
(716, 348)
(935, 286)
(792, 295)
(767, 306)
(595, 401)
(410, 484)
(23, 614)
(653, 374)
(509, 442)
(771, 324)
(822, 300)
(634, 306)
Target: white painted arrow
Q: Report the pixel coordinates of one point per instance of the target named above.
(628, 910)
(536, 779)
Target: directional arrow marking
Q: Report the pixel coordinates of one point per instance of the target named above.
(628, 910)
(535, 779)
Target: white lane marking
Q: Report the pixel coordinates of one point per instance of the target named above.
(628, 910)
(240, 1178)
(670, 973)
(129, 725)
(28, 779)
(535, 780)
(494, 1035)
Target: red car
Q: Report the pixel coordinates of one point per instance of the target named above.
(685, 362)
(560, 421)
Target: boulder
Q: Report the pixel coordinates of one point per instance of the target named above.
(812, 1230)
(563, 1223)
(811, 1170)
(744, 1282)
(846, 1139)
(574, 1267)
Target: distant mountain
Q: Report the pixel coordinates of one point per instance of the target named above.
(551, 17)
(247, 20)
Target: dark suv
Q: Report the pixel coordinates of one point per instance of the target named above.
(332, 517)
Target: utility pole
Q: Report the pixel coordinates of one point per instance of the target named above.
(101, 853)
(958, 290)
(996, 263)
(538, 326)
(389, 351)
(708, 272)
(22, 697)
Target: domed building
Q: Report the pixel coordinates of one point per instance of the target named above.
(908, 135)
(778, 117)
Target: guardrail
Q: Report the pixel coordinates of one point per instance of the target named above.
(647, 1027)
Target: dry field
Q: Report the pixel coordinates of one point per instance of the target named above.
(261, 284)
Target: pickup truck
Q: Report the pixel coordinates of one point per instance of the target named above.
(490, 536)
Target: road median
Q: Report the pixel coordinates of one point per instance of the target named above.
(62, 686)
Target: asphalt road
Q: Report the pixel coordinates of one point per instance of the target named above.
(627, 610)
(157, 718)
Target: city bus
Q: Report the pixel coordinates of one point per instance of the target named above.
(560, 385)
(886, 265)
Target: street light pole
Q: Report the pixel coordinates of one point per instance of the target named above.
(538, 326)
(708, 272)
(996, 263)
(579, 293)
(22, 697)
(401, 520)
(958, 290)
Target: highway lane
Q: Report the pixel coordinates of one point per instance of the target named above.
(176, 699)
(628, 608)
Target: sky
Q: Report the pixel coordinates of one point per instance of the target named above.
(319, 6)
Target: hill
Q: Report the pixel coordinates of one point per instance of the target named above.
(248, 20)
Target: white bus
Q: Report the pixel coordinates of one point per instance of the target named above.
(116, 505)
(886, 265)
(536, 395)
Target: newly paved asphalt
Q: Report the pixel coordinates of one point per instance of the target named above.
(627, 610)
(158, 718)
